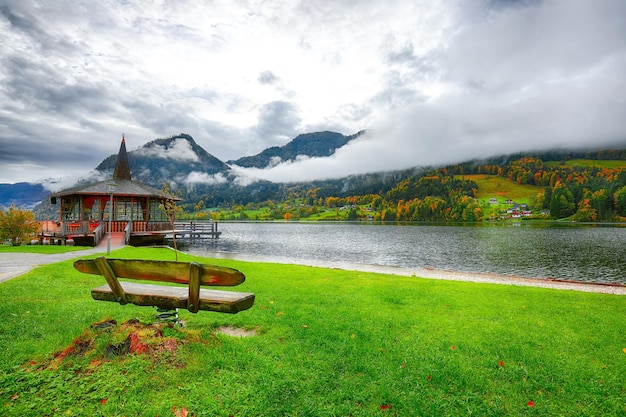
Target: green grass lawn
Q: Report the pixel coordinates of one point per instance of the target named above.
(43, 249)
(329, 343)
(502, 188)
(590, 163)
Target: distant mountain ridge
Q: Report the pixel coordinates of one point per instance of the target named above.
(201, 177)
(21, 194)
(318, 144)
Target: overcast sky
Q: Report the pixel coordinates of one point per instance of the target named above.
(432, 81)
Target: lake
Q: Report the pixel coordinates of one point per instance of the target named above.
(591, 253)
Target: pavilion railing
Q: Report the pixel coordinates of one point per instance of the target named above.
(128, 231)
(83, 227)
(99, 232)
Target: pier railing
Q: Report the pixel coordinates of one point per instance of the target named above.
(200, 230)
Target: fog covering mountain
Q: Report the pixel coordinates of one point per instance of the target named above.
(318, 144)
(199, 176)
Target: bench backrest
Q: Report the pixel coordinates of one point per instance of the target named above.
(163, 271)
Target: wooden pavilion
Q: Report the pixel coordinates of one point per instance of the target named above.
(119, 203)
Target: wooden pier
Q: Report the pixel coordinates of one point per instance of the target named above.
(196, 230)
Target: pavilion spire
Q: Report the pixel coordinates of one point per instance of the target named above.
(122, 167)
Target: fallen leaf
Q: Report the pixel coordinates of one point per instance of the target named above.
(428, 377)
(104, 400)
(530, 403)
(452, 347)
(501, 364)
(624, 350)
(280, 313)
(180, 413)
(385, 407)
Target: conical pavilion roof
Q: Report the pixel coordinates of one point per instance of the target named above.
(122, 167)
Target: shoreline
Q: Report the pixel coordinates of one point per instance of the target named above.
(15, 264)
(478, 277)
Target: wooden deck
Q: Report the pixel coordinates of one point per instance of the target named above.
(136, 233)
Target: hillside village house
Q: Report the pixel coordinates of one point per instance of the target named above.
(133, 208)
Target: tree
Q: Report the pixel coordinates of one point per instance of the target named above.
(547, 198)
(17, 225)
(620, 201)
(585, 213)
(602, 202)
(377, 202)
(171, 210)
(562, 202)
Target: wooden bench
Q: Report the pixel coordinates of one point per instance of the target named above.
(190, 297)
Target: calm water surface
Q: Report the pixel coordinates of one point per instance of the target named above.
(583, 253)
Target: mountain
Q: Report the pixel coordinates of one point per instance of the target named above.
(205, 180)
(21, 194)
(319, 144)
(165, 160)
(181, 160)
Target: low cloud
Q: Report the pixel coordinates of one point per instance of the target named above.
(196, 177)
(180, 150)
(60, 183)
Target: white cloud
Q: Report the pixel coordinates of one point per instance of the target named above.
(196, 177)
(179, 149)
(434, 82)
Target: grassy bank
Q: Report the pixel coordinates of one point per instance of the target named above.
(43, 249)
(329, 343)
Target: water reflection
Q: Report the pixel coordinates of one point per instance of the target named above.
(590, 253)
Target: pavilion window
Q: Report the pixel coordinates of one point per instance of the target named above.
(128, 208)
(107, 211)
(96, 210)
(70, 208)
(92, 209)
(156, 212)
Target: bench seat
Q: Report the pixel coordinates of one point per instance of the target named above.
(171, 297)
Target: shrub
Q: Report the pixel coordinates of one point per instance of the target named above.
(17, 225)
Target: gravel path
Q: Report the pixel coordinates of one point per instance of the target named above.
(14, 264)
